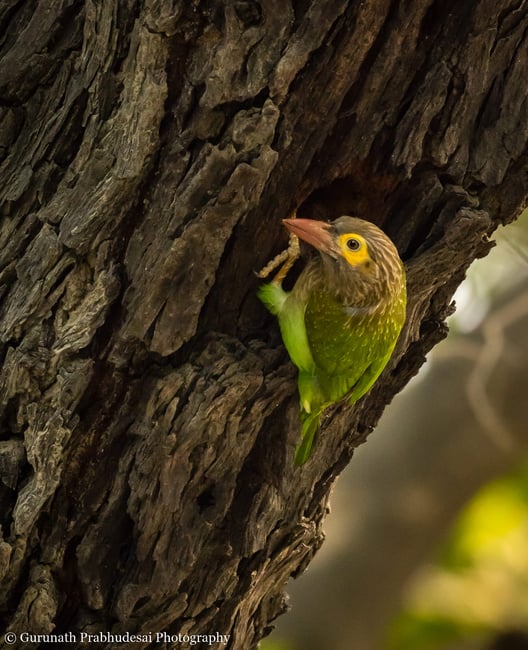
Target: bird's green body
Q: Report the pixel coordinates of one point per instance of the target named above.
(342, 319)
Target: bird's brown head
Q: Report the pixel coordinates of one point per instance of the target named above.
(351, 247)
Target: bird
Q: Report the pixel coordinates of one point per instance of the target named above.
(342, 318)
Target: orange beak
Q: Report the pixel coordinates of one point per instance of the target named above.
(316, 233)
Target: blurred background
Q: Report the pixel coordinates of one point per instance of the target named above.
(427, 540)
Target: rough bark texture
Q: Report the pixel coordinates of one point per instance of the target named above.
(148, 151)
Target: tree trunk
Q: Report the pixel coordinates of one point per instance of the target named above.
(148, 151)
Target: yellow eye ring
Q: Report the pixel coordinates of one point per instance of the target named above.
(354, 248)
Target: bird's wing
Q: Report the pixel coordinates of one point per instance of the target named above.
(349, 349)
(273, 296)
(339, 342)
(290, 312)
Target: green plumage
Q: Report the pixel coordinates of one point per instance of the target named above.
(342, 319)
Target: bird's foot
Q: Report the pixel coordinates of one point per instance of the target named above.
(285, 260)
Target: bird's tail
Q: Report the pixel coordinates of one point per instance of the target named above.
(310, 424)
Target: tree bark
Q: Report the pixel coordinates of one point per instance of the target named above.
(148, 151)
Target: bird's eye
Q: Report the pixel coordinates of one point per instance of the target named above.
(353, 244)
(354, 248)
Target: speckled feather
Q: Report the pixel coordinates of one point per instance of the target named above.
(340, 322)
